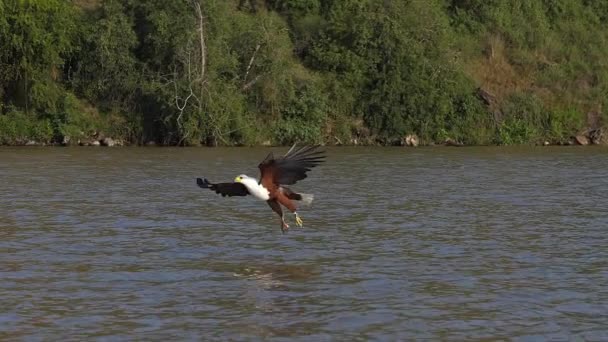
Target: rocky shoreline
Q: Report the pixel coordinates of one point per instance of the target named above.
(107, 142)
(598, 136)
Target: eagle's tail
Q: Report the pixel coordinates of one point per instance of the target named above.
(306, 198)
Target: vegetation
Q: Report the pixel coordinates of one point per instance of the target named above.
(229, 72)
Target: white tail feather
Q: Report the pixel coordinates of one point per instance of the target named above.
(307, 198)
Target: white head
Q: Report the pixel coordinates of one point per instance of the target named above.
(243, 179)
(249, 182)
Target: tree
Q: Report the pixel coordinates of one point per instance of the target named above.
(36, 38)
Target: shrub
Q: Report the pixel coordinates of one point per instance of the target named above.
(17, 128)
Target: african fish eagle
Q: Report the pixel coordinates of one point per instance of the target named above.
(275, 174)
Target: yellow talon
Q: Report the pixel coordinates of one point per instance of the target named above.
(299, 221)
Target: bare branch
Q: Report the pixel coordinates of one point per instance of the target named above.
(188, 78)
(185, 102)
(257, 47)
(199, 13)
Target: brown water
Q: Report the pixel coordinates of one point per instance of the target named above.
(428, 243)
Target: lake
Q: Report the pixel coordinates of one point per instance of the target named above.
(436, 243)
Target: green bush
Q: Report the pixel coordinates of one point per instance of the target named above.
(304, 118)
(514, 131)
(17, 128)
(563, 124)
(524, 120)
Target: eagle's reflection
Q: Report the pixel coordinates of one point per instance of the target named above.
(270, 276)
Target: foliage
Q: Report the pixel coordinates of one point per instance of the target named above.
(303, 119)
(16, 127)
(563, 123)
(312, 71)
(36, 38)
(104, 69)
(523, 114)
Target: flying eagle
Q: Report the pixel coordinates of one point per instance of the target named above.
(275, 174)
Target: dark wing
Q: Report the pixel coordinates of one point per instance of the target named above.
(291, 167)
(225, 189)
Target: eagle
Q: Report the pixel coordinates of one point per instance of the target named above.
(275, 174)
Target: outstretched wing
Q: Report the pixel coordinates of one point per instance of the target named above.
(291, 167)
(225, 189)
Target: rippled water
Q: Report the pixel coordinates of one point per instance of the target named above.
(428, 243)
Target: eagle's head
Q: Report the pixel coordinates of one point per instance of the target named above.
(241, 178)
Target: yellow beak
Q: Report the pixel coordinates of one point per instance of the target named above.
(237, 179)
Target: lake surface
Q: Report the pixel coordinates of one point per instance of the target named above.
(399, 244)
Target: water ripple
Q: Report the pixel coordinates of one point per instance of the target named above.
(400, 244)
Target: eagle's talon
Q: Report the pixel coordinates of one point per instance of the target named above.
(299, 221)
(284, 227)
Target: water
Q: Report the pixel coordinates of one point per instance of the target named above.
(427, 243)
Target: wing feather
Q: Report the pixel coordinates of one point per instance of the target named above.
(225, 189)
(291, 167)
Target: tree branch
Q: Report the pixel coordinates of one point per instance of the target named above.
(257, 47)
(199, 13)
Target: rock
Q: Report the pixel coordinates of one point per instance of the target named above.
(581, 140)
(598, 136)
(452, 142)
(487, 97)
(32, 143)
(89, 142)
(546, 143)
(266, 143)
(411, 140)
(151, 143)
(108, 142)
(66, 140)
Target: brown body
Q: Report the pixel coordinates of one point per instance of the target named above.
(285, 197)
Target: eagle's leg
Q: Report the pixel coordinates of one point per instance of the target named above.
(276, 207)
(299, 221)
(284, 225)
(286, 201)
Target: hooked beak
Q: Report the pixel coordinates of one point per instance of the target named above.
(237, 179)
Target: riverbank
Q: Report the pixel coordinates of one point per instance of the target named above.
(587, 138)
